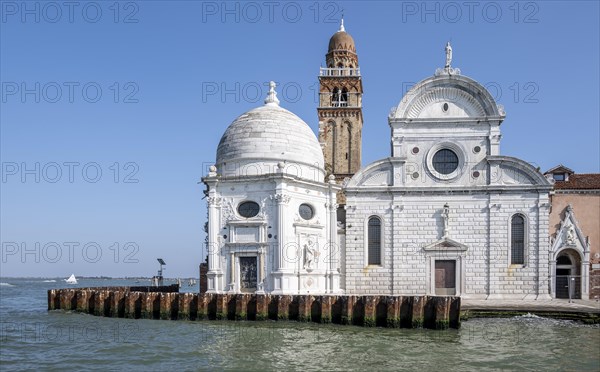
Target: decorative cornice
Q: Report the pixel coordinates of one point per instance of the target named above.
(305, 224)
(332, 112)
(567, 191)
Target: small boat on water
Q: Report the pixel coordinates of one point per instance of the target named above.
(71, 280)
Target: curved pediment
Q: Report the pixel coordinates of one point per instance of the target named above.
(447, 96)
(506, 170)
(379, 173)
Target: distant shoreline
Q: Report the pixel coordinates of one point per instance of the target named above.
(92, 277)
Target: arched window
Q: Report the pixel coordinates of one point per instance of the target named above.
(335, 98)
(517, 240)
(374, 241)
(344, 98)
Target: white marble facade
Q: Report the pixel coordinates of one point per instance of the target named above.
(445, 199)
(282, 240)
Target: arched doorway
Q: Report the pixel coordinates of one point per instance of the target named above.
(568, 275)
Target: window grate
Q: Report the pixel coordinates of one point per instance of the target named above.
(445, 161)
(374, 241)
(517, 240)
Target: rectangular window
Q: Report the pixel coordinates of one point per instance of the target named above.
(559, 176)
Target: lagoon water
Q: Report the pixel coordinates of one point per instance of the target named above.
(31, 338)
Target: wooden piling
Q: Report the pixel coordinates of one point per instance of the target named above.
(454, 313)
(369, 311)
(348, 304)
(117, 309)
(202, 306)
(241, 306)
(221, 306)
(304, 308)
(393, 305)
(382, 311)
(83, 301)
(326, 305)
(184, 306)
(418, 312)
(442, 311)
(132, 304)
(262, 307)
(283, 307)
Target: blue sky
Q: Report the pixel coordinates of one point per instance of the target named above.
(112, 111)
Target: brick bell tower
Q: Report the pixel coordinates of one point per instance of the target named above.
(340, 108)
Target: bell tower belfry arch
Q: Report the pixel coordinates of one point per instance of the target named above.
(340, 107)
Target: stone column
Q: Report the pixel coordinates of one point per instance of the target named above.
(261, 271)
(397, 208)
(497, 241)
(282, 201)
(585, 271)
(332, 284)
(552, 276)
(543, 272)
(214, 264)
(231, 272)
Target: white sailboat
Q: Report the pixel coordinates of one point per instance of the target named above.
(71, 280)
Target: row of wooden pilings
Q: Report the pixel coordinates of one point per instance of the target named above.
(382, 311)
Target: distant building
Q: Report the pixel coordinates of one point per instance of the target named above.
(575, 233)
(444, 214)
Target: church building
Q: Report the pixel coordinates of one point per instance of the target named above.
(444, 214)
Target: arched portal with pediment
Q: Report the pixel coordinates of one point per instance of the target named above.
(568, 274)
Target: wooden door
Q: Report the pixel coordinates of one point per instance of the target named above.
(248, 278)
(445, 277)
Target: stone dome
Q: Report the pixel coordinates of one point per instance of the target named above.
(270, 139)
(341, 40)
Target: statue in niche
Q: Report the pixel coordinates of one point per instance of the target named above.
(310, 254)
(571, 235)
(446, 217)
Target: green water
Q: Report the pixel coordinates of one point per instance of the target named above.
(32, 339)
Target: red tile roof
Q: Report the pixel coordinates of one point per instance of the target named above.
(559, 169)
(588, 181)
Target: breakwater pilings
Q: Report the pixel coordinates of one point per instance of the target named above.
(434, 312)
